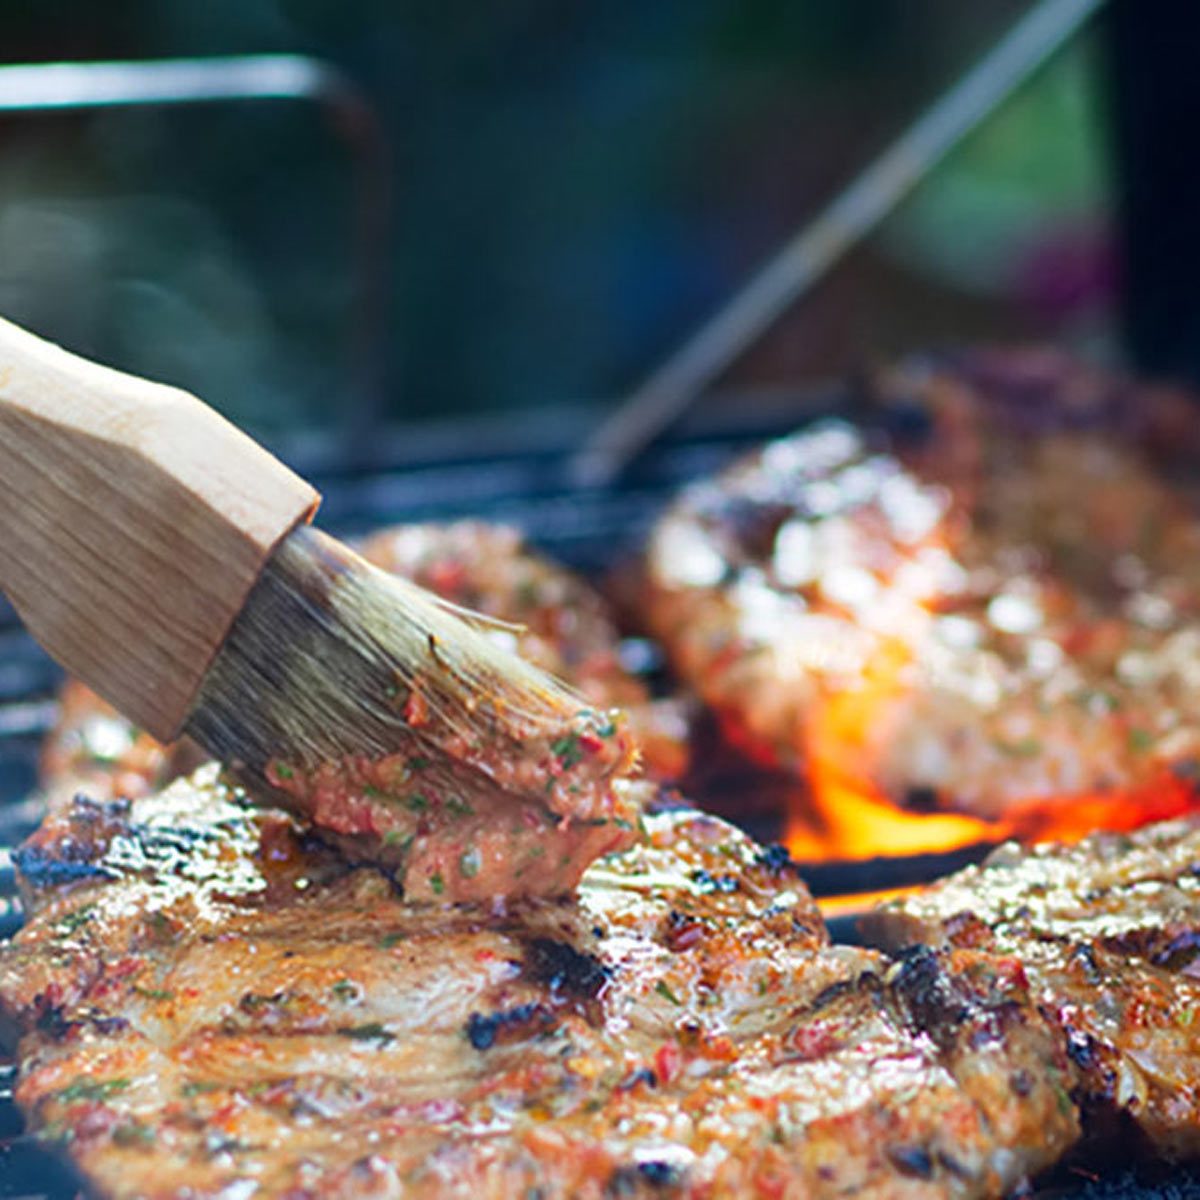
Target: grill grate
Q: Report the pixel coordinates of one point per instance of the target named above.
(589, 531)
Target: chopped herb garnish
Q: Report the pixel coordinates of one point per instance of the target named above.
(418, 763)
(344, 989)
(538, 852)
(397, 837)
(621, 823)
(1024, 748)
(663, 990)
(372, 1032)
(458, 807)
(391, 939)
(133, 1133)
(1140, 740)
(567, 750)
(469, 863)
(1187, 1016)
(153, 993)
(437, 883)
(161, 924)
(417, 803)
(75, 920)
(283, 770)
(200, 1087)
(91, 1089)
(1097, 701)
(607, 729)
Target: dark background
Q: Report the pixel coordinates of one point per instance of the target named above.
(574, 188)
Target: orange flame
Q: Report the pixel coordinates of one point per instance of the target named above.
(834, 820)
(839, 814)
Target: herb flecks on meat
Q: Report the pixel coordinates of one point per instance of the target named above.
(680, 1026)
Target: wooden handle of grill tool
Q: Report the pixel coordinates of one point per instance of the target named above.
(133, 522)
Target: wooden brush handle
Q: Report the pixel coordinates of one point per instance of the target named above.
(133, 522)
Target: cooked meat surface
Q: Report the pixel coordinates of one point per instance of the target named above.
(210, 1004)
(1108, 931)
(983, 594)
(93, 749)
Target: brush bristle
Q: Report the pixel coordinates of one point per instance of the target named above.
(332, 658)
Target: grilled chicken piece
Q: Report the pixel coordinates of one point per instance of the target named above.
(984, 595)
(1108, 931)
(211, 1005)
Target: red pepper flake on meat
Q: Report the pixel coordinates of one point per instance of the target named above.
(810, 1041)
(416, 709)
(668, 1062)
(447, 577)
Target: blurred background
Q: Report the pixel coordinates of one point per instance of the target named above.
(571, 190)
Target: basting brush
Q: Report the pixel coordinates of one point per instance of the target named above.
(167, 560)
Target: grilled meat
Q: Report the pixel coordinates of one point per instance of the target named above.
(1109, 934)
(93, 749)
(983, 595)
(210, 1004)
